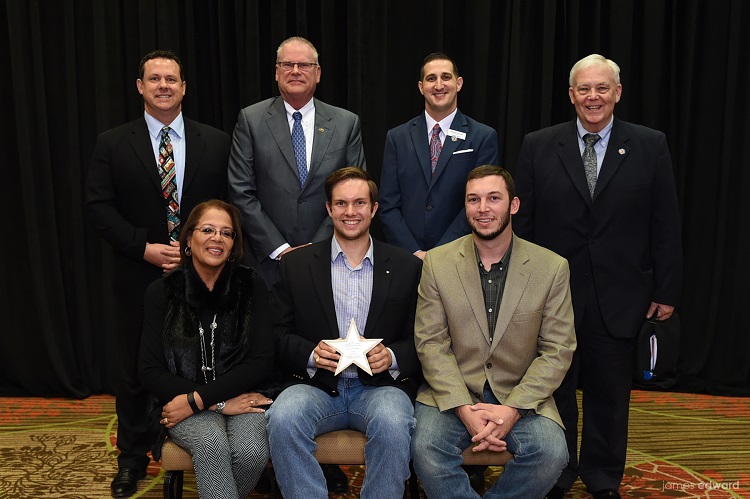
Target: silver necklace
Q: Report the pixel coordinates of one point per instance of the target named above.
(204, 359)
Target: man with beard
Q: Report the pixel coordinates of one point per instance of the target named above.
(494, 333)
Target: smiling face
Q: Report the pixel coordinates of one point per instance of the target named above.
(211, 249)
(351, 209)
(162, 89)
(297, 87)
(594, 94)
(440, 87)
(489, 207)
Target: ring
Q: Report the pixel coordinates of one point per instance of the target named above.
(252, 402)
(499, 420)
(317, 358)
(166, 421)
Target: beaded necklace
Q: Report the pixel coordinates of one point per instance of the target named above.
(204, 358)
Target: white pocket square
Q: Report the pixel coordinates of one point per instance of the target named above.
(464, 151)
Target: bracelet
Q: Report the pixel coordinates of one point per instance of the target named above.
(191, 401)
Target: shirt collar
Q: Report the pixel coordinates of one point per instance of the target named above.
(504, 260)
(306, 110)
(445, 123)
(155, 126)
(336, 251)
(603, 135)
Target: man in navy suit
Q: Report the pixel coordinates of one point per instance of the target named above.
(600, 192)
(426, 162)
(126, 205)
(322, 288)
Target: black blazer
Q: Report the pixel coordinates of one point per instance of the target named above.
(627, 239)
(124, 200)
(304, 314)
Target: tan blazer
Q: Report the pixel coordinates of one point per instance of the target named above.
(534, 336)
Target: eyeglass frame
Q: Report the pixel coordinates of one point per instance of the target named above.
(210, 231)
(282, 65)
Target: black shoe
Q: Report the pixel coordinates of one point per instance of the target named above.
(336, 480)
(555, 493)
(607, 494)
(125, 483)
(476, 478)
(265, 483)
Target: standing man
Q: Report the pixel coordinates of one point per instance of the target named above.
(283, 150)
(145, 177)
(321, 289)
(494, 333)
(426, 161)
(600, 192)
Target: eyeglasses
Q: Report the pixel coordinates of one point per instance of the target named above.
(302, 66)
(211, 231)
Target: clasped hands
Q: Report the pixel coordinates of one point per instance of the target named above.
(488, 424)
(326, 357)
(178, 409)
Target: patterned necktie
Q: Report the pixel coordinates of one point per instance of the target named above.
(435, 146)
(589, 160)
(298, 142)
(169, 184)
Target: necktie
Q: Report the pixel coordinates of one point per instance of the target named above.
(169, 184)
(298, 142)
(435, 146)
(589, 160)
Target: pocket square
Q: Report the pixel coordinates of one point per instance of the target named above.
(464, 151)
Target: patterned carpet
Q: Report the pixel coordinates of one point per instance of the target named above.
(681, 445)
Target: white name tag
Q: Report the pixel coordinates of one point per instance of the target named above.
(456, 134)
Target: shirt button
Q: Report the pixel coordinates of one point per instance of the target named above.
(489, 310)
(489, 281)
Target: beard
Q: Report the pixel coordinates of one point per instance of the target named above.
(489, 236)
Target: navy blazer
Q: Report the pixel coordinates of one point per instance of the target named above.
(420, 210)
(124, 201)
(304, 314)
(627, 238)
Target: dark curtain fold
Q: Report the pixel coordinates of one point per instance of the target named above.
(71, 67)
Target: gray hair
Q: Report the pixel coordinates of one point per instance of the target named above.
(594, 60)
(298, 39)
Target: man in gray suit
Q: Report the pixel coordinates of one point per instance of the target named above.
(494, 333)
(283, 150)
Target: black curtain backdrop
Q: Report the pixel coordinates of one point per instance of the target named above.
(71, 67)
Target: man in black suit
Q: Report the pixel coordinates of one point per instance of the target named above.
(145, 177)
(600, 192)
(322, 290)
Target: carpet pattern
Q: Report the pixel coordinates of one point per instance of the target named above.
(681, 445)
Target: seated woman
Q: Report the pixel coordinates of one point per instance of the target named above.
(207, 345)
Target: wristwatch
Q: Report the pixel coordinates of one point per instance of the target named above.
(220, 407)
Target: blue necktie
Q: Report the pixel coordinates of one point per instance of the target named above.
(298, 142)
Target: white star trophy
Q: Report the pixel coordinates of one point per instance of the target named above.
(353, 349)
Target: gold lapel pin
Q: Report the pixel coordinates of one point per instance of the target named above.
(321, 130)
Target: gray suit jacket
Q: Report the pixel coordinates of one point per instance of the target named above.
(264, 182)
(534, 336)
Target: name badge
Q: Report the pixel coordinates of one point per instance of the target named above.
(456, 135)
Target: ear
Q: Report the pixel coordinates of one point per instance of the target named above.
(374, 209)
(515, 204)
(139, 86)
(459, 83)
(328, 209)
(571, 95)
(419, 85)
(618, 93)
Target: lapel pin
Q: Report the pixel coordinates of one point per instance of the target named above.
(320, 130)
(387, 271)
(453, 138)
(621, 151)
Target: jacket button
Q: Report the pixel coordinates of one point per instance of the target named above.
(429, 207)
(488, 365)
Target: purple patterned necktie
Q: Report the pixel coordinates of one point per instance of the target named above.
(169, 184)
(435, 146)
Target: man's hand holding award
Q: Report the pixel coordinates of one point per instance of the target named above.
(353, 349)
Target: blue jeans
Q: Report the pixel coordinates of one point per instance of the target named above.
(301, 412)
(537, 444)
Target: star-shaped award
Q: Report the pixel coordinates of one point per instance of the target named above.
(353, 349)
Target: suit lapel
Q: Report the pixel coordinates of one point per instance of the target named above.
(141, 143)
(322, 136)
(570, 156)
(279, 128)
(194, 148)
(320, 273)
(468, 274)
(515, 285)
(449, 144)
(381, 282)
(421, 146)
(612, 158)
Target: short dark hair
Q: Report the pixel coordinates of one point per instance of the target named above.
(438, 56)
(192, 223)
(161, 54)
(348, 173)
(490, 170)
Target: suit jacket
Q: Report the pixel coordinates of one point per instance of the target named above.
(420, 210)
(305, 314)
(124, 201)
(534, 337)
(264, 181)
(627, 239)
